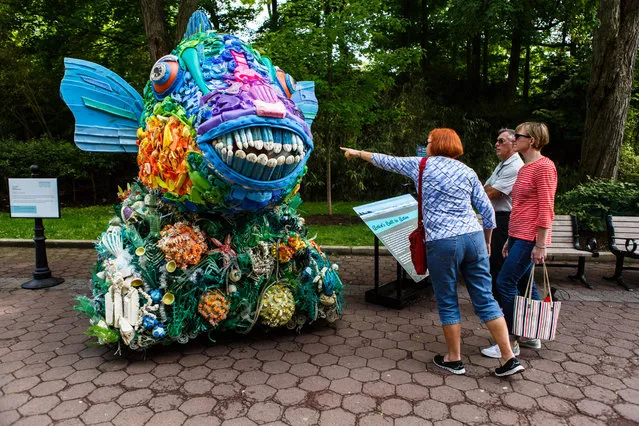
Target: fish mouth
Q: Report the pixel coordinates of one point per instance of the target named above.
(258, 156)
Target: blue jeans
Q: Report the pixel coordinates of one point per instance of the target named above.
(513, 277)
(466, 253)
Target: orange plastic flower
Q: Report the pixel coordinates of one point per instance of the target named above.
(182, 244)
(163, 148)
(213, 307)
(296, 243)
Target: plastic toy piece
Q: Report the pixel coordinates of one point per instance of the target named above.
(106, 108)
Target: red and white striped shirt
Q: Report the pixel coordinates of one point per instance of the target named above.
(533, 200)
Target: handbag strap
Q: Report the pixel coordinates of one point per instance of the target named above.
(422, 167)
(528, 293)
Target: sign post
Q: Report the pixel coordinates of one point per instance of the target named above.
(391, 221)
(36, 198)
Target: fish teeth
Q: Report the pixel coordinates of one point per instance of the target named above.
(255, 136)
(239, 160)
(249, 139)
(268, 141)
(277, 148)
(249, 164)
(260, 164)
(269, 169)
(277, 173)
(238, 140)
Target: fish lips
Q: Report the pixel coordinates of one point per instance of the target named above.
(253, 178)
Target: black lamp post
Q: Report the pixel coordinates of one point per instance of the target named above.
(42, 274)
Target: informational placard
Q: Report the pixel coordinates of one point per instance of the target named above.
(34, 197)
(392, 220)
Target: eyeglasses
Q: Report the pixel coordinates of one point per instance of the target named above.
(519, 135)
(502, 141)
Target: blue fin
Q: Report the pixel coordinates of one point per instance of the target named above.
(106, 108)
(305, 99)
(199, 22)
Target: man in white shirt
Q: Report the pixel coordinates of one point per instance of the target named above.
(498, 187)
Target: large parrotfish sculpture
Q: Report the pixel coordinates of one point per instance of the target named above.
(208, 238)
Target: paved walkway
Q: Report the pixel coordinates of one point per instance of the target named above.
(372, 367)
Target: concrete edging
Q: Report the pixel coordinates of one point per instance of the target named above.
(604, 256)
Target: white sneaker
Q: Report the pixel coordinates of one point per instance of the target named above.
(494, 352)
(530, 343)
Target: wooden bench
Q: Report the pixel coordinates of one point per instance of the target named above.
(565, 244)
(623, 240)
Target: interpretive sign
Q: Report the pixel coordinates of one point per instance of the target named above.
(392, 220)
(34, 197)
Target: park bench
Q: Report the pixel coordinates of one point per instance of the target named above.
(623, 238)
(565, 244)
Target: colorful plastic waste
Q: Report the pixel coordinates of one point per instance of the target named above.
(208, 238)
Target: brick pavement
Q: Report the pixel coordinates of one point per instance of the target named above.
(372, 367)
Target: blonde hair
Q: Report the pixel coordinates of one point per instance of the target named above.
(539, 131)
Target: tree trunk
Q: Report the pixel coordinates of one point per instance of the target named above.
(475, 63)
(187, 7)
(527, 74)
(423, 36)
(614, 51)
(157, 36)
(329, 181)
(275, 16)
(484, 70)
(513, 65)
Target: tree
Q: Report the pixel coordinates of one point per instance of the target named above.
(615, 46)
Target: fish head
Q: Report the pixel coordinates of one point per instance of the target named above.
(222, 128)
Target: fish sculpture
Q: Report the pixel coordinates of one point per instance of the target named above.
(208, 238)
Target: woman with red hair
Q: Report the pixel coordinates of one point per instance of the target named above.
(455, 239)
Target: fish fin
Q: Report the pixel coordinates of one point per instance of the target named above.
(106, 108)
(304, 98)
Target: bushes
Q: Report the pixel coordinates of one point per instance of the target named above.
(595, 199)
(83, 177)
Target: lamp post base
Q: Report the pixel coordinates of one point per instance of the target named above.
(36, 284)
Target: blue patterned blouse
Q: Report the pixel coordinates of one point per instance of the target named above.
(449, 189)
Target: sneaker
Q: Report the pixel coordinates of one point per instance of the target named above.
(529, 343)
(494, 352)
(455, 367)
(512, 366)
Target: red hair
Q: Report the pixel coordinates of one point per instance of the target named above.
(445, 142)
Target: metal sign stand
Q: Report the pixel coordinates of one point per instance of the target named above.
(395, 294)
(42, 274)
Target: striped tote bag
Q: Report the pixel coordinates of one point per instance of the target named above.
(536, 319)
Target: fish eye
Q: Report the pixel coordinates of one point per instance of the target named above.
(166, 75)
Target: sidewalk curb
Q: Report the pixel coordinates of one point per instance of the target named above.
(604, 256)
(89, 244)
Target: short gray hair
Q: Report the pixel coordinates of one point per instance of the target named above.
(511, 132)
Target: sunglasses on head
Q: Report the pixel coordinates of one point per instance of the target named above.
(520, 135)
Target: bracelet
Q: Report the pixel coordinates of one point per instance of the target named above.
(540, 246)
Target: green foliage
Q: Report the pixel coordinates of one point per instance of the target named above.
(629, 164)
(386, 73)
(82, 176)
(595, 199)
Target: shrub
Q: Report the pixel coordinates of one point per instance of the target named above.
(595, 199)
(83, 177)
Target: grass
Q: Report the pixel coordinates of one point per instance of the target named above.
(87, 223)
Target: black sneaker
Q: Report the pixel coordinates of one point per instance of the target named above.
(455, 367)
(512, 366)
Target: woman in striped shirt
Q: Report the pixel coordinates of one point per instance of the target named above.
(530, 225)
(456, 241)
